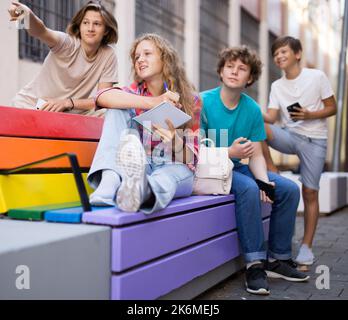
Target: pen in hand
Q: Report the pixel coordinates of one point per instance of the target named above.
(165, 86)
(176, 96)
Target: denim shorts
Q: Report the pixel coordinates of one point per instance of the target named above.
(311, 152)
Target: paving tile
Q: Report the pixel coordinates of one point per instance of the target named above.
(328, 236)
(333, 292)
(341, 252)
(330, 255)
(321, 297)
(293, 296)
(343, 260)
(323, 262)
(278, 284)
(330, 248)
(323, 244)
(344, 294)
(337, 268)
(339, 277)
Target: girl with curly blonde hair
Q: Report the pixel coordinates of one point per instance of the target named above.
(143, 175)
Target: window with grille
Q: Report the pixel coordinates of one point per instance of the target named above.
(250, 37)
(164, 17)
(213, 38)
(56, 15)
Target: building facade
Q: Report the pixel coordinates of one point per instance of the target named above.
(198, 29)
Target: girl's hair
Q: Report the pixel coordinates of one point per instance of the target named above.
(173, 70)
(111, 36)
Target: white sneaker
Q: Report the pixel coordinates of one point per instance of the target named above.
(305, 256)
(98, 201)
(131, 161)
(104, 195)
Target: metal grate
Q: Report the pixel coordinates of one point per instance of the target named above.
(164, 17)
(56, 15)
(213, 38)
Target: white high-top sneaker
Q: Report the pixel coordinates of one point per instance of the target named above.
(104, 195)
(131, 162)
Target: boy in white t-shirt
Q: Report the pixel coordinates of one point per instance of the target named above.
(304, 99)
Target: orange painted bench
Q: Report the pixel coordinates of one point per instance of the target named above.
(30, 135)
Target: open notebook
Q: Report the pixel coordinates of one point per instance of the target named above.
(159, 114)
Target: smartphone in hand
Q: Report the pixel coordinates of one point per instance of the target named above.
(292, 107)
(267, 188)
(39, 104)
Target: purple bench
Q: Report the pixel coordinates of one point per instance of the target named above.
(172, 253)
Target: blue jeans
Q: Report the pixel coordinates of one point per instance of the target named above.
(166, 180)
(249, 218)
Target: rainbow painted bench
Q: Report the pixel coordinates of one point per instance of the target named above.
(27, 136)
(176, 253)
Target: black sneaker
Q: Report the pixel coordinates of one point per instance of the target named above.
(285, 269)
(256, 280)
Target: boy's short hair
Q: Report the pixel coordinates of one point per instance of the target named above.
(244, 54)
(294, 44)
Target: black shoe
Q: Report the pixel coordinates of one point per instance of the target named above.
(256, 280)
(285, 269)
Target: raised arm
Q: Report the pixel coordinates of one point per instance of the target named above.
(37, 28)
(118, 99)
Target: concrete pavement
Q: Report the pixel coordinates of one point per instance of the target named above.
(330, 249)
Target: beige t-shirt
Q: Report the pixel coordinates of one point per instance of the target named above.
(68, 73)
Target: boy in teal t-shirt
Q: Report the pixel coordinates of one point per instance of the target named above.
(227, 125)
(233, 119)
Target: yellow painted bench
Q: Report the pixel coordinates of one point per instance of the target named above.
(28, 136)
